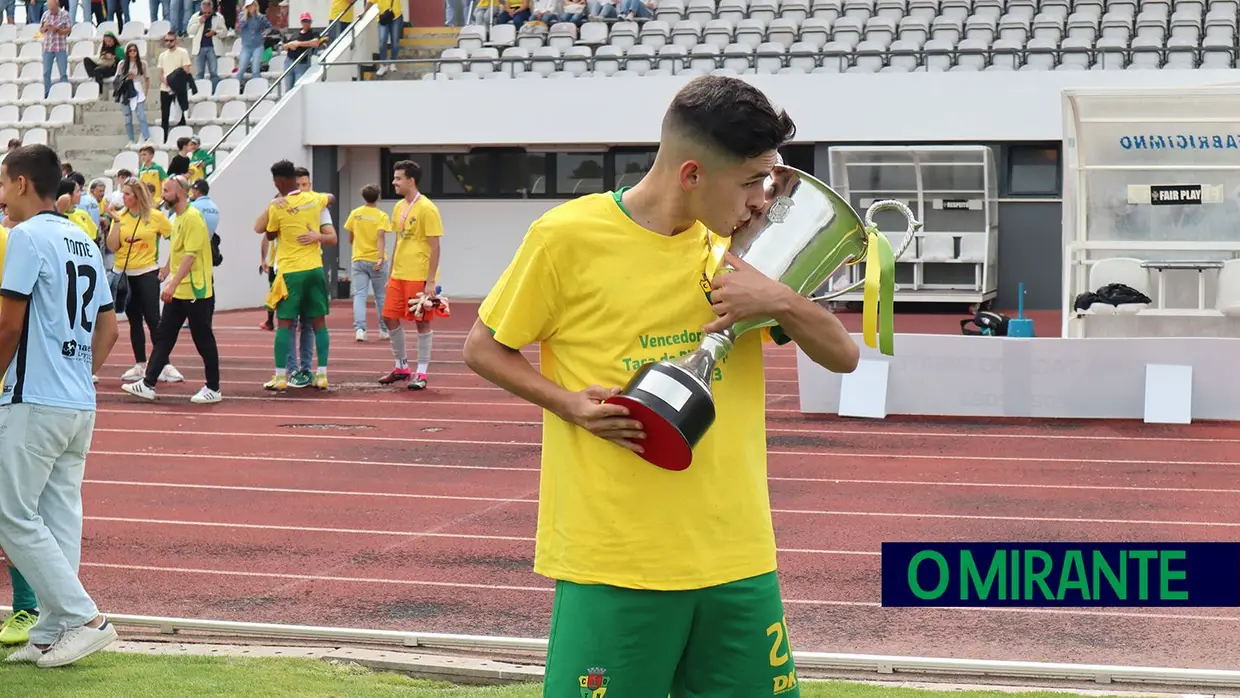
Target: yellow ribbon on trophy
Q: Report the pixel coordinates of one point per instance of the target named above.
(878, 298)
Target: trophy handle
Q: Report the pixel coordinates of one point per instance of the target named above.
(909, 234)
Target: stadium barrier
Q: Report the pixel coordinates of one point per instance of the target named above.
(805, 661)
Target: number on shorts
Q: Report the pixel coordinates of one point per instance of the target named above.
(779, 654)
(72, 273)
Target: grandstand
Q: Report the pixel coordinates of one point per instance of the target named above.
(858, 36)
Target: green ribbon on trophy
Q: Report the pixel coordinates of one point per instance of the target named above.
(878, 299)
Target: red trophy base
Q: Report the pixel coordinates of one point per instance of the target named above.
(664, 445)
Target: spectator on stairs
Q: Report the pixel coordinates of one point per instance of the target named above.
(201, 161)
(150, 172)
(486, 11)
(175, 82)
(133, 84)
(391, 26)
(306, 43)
(119, 11)
(103, 66)
(251, 27)
(337, 8)
(204, 27)
(179, 164)
(98, 12)
(55, 26)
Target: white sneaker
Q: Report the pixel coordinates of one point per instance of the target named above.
(77, 643)
(206, 396)
(95, 378)
(360, 335)
(383, 333)
(139, 389)
(29, 653)
(382, 69)
(136, 373)
(170, 375)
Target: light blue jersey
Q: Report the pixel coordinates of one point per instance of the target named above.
(91, 207)
(210, 213)
(53, 265)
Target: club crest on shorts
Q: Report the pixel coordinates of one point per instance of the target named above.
(594, 683)
(779, 210)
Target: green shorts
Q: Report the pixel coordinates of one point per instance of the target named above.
(729, 641)
(307, 295)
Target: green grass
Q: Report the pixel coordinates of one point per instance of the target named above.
(117, 675)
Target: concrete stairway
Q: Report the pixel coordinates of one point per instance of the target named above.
(420, 42)
(93, 144)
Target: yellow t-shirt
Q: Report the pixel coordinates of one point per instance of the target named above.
(339, 6)
(84, 222)
(4, 247)
(364, 224)
(396, 6)
(602, 296)
(190, 236)
(145, 252)
(155, 177)
(411, 259)
(302, 212)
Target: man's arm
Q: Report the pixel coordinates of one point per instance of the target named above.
(747, 293)
(12, 316)
(21, 272)
(432, 270)
(510, 370)
(103, 338)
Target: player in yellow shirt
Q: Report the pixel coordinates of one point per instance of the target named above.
(298, 221)
(367, 226)
(67, 201)
(188, 295)
(415, 270)
(666, 580)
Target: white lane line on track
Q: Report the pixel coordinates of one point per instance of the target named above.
(828, 427)
(262, 436)
(774, 510)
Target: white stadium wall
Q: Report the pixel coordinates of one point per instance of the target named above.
(481, 235)
(242, 188)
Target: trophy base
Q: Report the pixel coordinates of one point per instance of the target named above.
(675, 411)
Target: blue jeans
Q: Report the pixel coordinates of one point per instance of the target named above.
(303, 340)
(34, 12)
(290, 79)
(636, 7)
(251, 56)
(167, 8)
(118, 10)
(208, 63)
(364, 279)
(61, 58)
(128, 113)
(178, 16)
(389, 39)
(44, 454)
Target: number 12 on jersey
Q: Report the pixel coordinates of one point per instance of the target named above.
(73, 272)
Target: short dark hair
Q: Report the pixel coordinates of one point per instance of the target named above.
(201, 184)
(37, 163)
(411, 169)
(303, 172)
(370, 193)
(67, 185)
(79, 178)
(123, 173)
(728, 115)
(285, 169)
(182, 142)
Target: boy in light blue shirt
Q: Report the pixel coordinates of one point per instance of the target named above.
(57, 326)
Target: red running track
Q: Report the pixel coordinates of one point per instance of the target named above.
(380, 508)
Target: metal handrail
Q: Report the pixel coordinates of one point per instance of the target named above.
(279, 82)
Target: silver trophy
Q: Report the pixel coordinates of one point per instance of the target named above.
(803, 234)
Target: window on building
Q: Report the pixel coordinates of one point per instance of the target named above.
(579, 173)
(387, 162)
(1033, 170)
